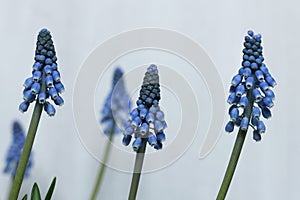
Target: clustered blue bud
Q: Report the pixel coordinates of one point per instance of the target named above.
(253, 77)
(147, 120)
(45, 81)
(117, 103)
(14, 152)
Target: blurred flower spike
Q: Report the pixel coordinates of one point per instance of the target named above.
(147, 120)
(15, 150)
(117, 104)
(251, 86)
(45, 81)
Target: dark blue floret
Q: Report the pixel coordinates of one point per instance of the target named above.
(257, 95)
(45, 81)
(240, 90)
(229, 126)
(256, 112)
(252, 81)
(264, 86)
(266, 113)
(49, 108)
(247, 72)
(234, 114)
(147, 120)
(231, 98)
(161, 137)
(244, 123)
(256, 136)
(261, 128)
(15, 150)
(126, 140)
(243, 102)
(137, 143)
(267, 101)
(23, 107)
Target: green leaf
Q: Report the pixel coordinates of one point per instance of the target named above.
(51, 189)
(25, 197)
(35, 192)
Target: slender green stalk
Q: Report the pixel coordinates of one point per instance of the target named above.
(232, 164)
(36, 115)
(236, 151)
(139, 159)
(102, 166)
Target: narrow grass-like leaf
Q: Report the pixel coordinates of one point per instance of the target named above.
(51, 189)
(25, 197)
(35, 192)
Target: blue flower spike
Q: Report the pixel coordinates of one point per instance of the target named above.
(254, 81)
(114, 112)
(250, 99)
(113, 120)
(15, 150)
(45, 81)
(39, 89)
(147, 120)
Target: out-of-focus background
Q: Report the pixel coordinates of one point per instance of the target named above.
(267, 170)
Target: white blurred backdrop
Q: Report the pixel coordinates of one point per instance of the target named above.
(267, 170)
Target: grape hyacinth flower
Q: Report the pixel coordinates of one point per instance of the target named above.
(45, 81)
(116, 105)
(251, 98)
(146, 124)
(252, 85)
(15, 150)
(114, 115)
(147, 120)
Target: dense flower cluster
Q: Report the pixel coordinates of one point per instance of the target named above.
(45, 81)
(14, 152)
(147, 120)
(251, 86)
(117, 103)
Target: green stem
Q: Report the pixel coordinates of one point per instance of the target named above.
(232, 164)
(102, 166)
(36, 115)
(236, 151)
(139, 159)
